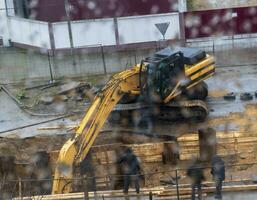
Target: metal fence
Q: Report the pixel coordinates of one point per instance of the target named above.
(229, 50)
(176, 184)
(19, 65)
(22, 65)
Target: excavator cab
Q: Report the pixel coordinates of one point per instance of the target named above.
(166, 71)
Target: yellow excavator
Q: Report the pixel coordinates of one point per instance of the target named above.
(158, 81)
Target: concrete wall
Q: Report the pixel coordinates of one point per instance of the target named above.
(19, 65)
(16, 65)
(229, 50)
(4, 31)
(102, 31)
(88, 32)
(84, 33)
(143, 29)
(224, 42)
(61, 35)
(93, 32)
(29, 32)
(10, 8)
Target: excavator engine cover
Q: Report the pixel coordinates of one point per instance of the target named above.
(191, 55)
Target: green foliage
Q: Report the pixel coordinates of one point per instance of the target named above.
(190, 5)
(21, 94)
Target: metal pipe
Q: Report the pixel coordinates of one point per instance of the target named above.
(176, 171)
(50, 67)
(30, 125)
(103, 59)
(84, 181)
(67, 11)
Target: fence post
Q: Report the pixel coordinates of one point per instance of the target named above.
(50, 66)
(95, 196)
(103, 59)
(156, 45)
(213, 48)
(177, 184)
(20, 189)
(135, 57)
(67, 12)
(150, 195)
(84, 182)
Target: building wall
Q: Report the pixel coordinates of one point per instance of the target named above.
(219, 4)
(54, 11)
(222, 22)
(48, 10)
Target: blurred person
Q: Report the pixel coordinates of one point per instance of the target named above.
(130, 168)
(195, 173)
(218, 173)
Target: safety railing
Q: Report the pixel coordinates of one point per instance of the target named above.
(171, 183)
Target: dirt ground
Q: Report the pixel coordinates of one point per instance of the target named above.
(224, 115)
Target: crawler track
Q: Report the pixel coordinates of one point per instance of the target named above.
(195, 110)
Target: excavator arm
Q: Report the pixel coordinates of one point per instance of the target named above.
(76, 149)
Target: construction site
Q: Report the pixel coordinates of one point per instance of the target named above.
(83, 88)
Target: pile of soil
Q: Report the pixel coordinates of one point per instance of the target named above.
(23, 149)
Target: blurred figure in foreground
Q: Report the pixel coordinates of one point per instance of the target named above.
(218, 173)
(130, 169)
(195, 173)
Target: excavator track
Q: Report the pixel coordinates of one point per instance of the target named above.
(191, 110)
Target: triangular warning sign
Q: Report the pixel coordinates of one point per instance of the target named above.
(162, 27)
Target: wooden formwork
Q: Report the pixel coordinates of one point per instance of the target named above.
(228, 143)
(152, 156)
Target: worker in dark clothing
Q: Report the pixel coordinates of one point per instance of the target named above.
(131, 169)
(218, 173)
(195, 172)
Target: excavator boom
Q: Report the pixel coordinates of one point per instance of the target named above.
(75, 150)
